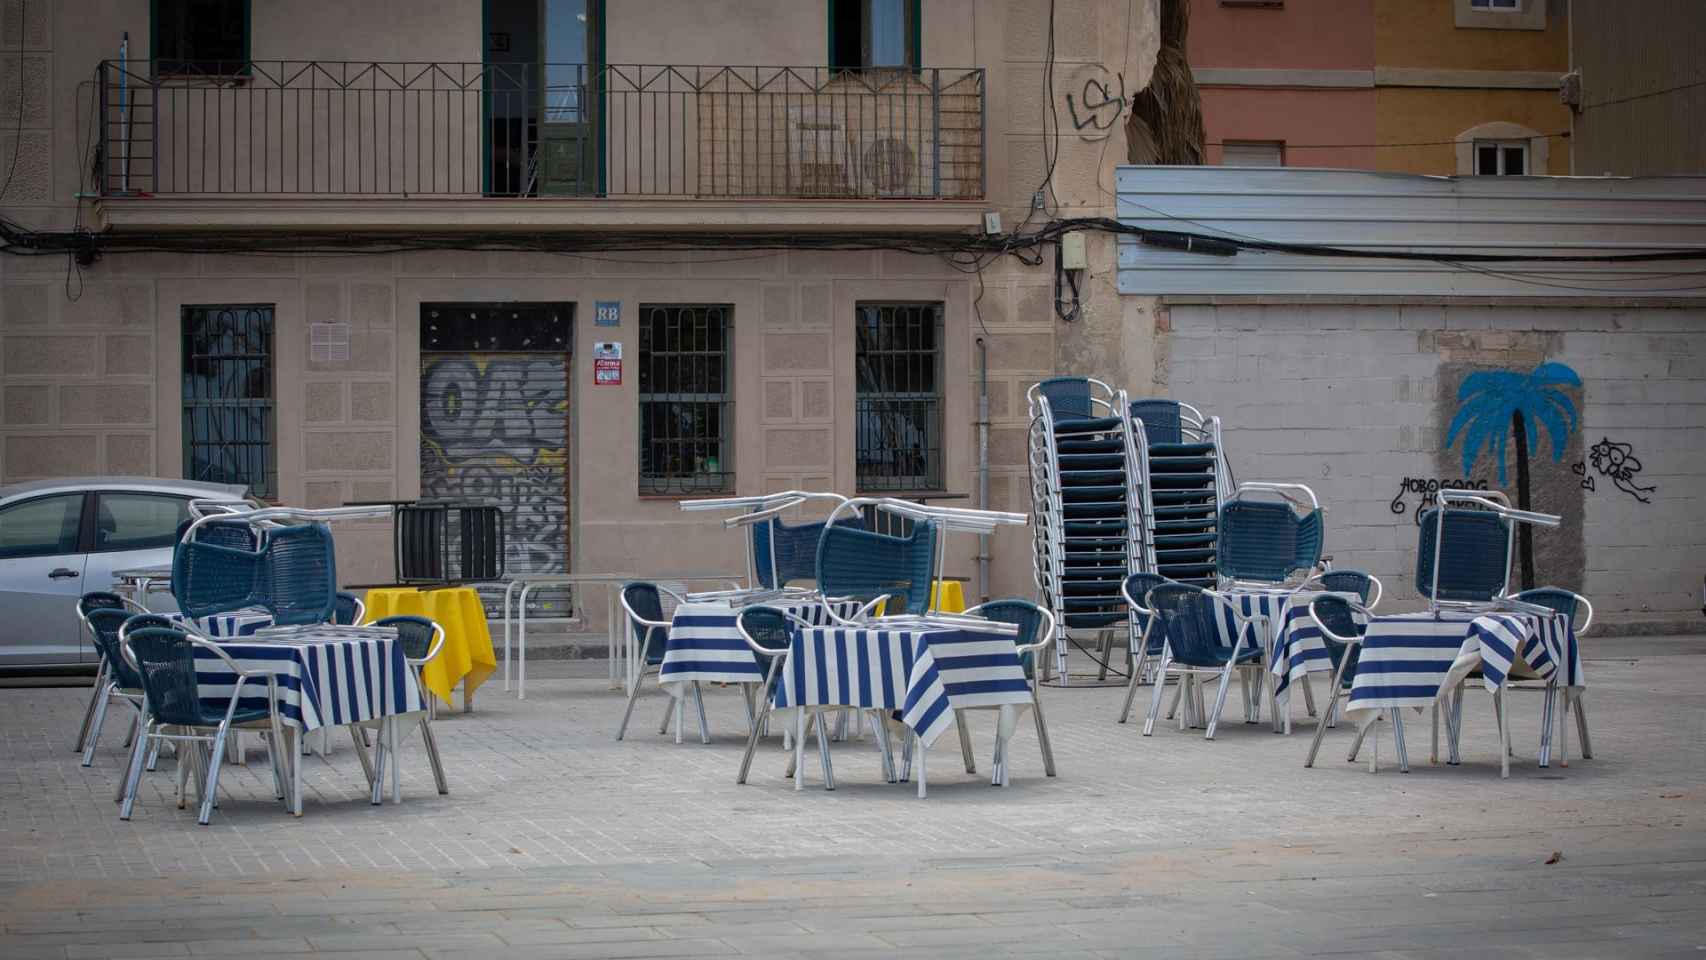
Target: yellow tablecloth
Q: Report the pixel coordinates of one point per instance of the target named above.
(467, 657)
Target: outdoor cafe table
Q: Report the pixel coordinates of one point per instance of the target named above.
(921, 672)
(325, 678)
(466, 657)
(1283, 622)
(705, 645)
(1415, 660)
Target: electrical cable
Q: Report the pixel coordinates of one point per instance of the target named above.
(18, 131)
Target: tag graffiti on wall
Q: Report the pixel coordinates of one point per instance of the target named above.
(1095, 109)
(1428, 488)
(1617, 461)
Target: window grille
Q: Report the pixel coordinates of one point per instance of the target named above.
(228, 392)
(899, 375)
(686, 428)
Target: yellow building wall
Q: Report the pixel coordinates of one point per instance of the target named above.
(1431, 115)
(1424, 34)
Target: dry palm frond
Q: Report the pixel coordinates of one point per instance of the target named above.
(1166, 117)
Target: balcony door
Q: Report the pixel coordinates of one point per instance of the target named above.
(541, 64)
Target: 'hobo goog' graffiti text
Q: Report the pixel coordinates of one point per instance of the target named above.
(1428, 488)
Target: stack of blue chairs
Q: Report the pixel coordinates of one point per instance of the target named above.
(1180, 451)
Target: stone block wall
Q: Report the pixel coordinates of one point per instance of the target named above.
(1358, 401)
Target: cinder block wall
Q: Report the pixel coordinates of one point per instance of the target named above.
(1357, 401)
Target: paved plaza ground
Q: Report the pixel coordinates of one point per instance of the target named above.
(558, 841)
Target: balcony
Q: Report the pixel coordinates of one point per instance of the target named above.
(392, 145)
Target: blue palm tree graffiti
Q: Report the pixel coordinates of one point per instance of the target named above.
(1494, 405)
(1492, 402)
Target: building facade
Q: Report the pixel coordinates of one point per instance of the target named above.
(587, 392)
(1637, 95)
(1445, 87)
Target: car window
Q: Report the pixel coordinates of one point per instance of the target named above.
(138, 521)
(41, 527)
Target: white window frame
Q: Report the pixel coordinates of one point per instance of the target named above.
(1538, 147)
(1501, 146)
(1526, 15)
(1278, 147)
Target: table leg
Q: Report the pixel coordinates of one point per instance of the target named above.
(1398, 740)
(918, 749)
(799, 749)
(1546, 708)
(467, 696)
(295, 755)
(1504, 734)
(396, 767)
(1564, 728)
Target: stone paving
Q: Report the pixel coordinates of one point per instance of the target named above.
(556, 840)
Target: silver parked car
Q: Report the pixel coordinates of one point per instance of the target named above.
(60, 539)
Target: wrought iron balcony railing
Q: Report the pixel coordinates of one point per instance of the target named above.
(347, 129)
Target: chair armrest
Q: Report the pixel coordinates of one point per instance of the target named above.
(1356, 608)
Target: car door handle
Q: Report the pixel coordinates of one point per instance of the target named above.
(60, 573)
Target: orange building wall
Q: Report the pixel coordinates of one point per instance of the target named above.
(1313, 34)
(1424, 34)
(1423, 114)
(1298, 116)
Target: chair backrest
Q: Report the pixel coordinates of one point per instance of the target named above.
(1474, 555)
(1188, 616)
(1310, 532)
(646, 603)
(104, 624)
(796, 550)
(1335, 614)
(346, 609)
(98, 600)
(1264, 540)
(480, 544)
(863, 564)
(165, 659)
(1348, 581)
(1136, 590)
(1025, 615)
(1161, 420)
(144, 620)
(1068, 397)
(300, 584)
(1564, 601)
(414, 634)
(217, 570)
(768, 627)
(419, 548)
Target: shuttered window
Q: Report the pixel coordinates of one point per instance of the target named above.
(686, 431)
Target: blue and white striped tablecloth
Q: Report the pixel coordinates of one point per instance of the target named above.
(323, 679)
(924, 675)
(1299, 648)
(705, 645)
(237, 623)
(1407, 661)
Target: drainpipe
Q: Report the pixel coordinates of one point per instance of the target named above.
(982, 466)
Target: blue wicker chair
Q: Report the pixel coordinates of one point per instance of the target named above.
(1145, 640)
(88, 604)
(643, 603)
(871, 567)
(421, 640)
(1343, 623)
(165, 661)
(1267, 541)
(348, 610)
(1036, 634)
(1189, 616)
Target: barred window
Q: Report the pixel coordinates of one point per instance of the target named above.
(686, 426)
(229, 432)
(898, 362)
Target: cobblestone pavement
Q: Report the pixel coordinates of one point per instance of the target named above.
(556, 840)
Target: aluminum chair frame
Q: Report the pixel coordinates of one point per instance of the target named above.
(1137, 641)
(998, 764)
(946, 520)
(103, 685)
(761, 509)
(648, 626)
(154, 732)
(1190, 675)
(1288, 492)
(385, 749)
(1349, 643)
(1552, 691)
(1048, 556)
